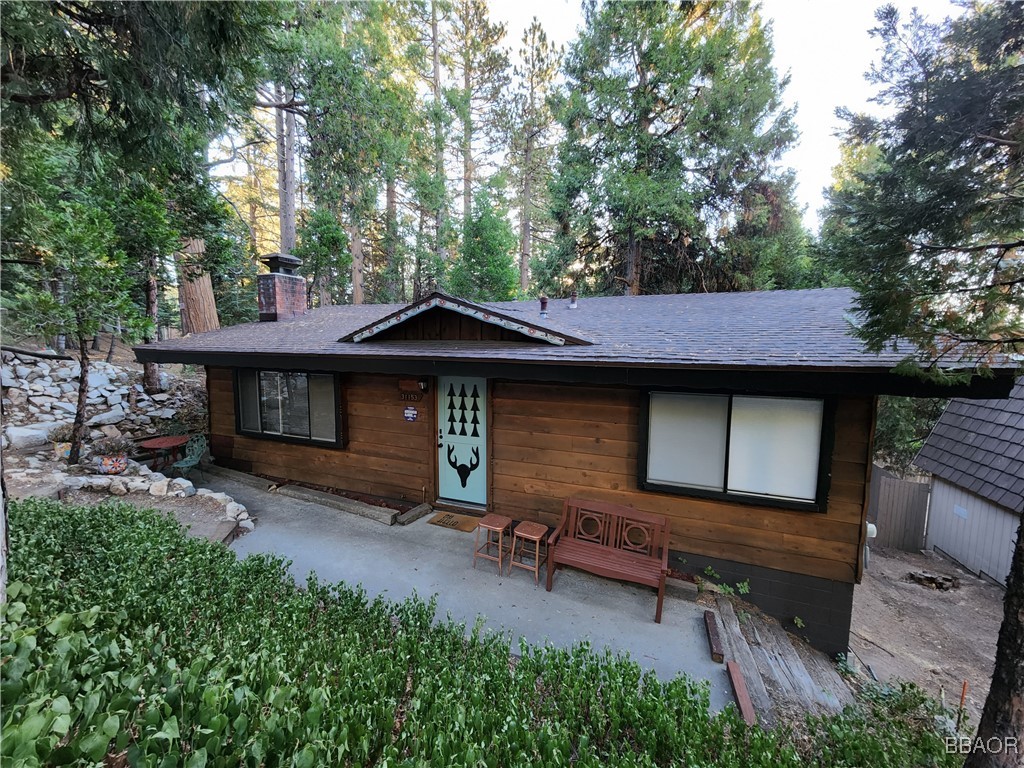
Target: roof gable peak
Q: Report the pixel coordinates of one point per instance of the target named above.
(502, 319)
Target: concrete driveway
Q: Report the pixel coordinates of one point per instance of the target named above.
(399, 561)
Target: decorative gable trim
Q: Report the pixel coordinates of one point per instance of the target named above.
(463, 307)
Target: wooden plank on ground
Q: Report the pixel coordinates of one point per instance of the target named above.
(714, 639)
(787, 669)
(831, 690)
(741, 653)
(739, 688)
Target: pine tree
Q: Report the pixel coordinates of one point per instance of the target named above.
(929, 230)
(672, 118)
(481, 75)
(530, 123)
(485, 270)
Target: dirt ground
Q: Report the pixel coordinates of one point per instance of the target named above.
(203, 517)
(933, 638)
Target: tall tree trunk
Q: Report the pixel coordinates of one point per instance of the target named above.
(254, 180)
(467, 143)
(396, 285)
(151, 371)
(78, 428)
(356, 240)
(417, 275)
(525, 214)
(323, 290)
(114, 334)
(1002, 720)
(196, 301)
(285, 125)
(632, 264)
(439, 174)
(60, 340)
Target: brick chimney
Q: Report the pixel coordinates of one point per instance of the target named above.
(282, 293)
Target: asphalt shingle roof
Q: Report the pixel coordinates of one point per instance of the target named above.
(979, 445)
(778, 330)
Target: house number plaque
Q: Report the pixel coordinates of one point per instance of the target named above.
(413, 397)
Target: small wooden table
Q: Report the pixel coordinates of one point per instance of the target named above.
(524, 532)
(168, 446)
(491, 524)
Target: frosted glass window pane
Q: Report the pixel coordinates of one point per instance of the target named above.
(774, 446)
(687, 440)
(248, 400)
(322, 410)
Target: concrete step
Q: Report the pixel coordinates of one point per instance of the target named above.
(380, 514)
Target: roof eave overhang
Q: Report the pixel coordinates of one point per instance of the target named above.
(850, 380)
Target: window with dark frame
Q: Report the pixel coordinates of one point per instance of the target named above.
(289, 406)
(760, 449)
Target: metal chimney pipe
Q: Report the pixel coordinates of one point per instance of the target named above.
(572, 300)
(543, 306)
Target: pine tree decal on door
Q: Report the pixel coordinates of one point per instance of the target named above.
(451, 410)
(475, 421)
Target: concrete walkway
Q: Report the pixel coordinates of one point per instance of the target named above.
(424, 559)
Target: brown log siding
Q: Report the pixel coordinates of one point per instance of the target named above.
(551, 441)
(385, 455)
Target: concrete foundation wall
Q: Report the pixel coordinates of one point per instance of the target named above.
(825, 607)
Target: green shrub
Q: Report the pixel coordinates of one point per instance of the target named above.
(123, 636)
(891, 726)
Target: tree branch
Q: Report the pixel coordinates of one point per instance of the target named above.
(968, 248)
(234, 153)
(997, 140)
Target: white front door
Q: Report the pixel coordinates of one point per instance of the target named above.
(462, 439)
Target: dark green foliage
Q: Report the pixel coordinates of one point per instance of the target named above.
(137, 79)
(902, 425)
(894, 726)
(665, 181)
(485, 270)
(122, 634)
(929, 224)
(324, 249)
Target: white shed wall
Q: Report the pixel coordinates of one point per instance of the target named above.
(975, 532)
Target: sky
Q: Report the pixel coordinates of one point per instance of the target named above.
(824, 46)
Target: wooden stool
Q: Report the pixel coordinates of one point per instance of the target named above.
(527, 531)
(491, 524)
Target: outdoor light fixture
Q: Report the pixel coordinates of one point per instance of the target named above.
(423, 384)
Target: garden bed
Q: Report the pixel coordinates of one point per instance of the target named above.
(128, 641)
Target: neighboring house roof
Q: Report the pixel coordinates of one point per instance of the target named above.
(786, 332)
(979, 445)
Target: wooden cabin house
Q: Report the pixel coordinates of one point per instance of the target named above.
(745, 418)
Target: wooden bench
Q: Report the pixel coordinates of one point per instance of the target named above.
(613, 541)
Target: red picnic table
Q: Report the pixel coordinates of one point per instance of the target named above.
(168, 446)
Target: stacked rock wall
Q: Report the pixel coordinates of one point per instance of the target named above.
(41, 394)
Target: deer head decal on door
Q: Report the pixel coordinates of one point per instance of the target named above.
(464, 470)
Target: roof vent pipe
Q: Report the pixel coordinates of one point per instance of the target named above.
(572, 300)
(543, 306)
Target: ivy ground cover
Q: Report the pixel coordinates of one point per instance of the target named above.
(127, 643)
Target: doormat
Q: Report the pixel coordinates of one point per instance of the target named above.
(465, 523)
